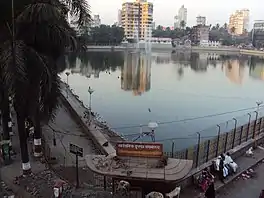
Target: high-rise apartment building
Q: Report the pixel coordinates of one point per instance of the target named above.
(96, 21)
(119, 18)
(239, 22)
(182, 16)
(137, 19)
(201, 20)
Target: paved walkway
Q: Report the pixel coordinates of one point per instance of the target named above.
(243, 162)
(241, 188)
(67, 131)
(97, 130)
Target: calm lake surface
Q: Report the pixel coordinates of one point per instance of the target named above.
(174, 89)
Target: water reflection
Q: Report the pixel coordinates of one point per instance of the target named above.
(136, 72)
(256, 68)
(234, 71)
(183, 85)
(136, 68)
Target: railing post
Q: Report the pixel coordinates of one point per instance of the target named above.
(234, 135)
(249, 119)
(208, 149)
(241, 132)
(186, 154)
(198, 149)
(218, 138)
(254, 130)
(226, 141)
(172, 149)
(260, 121)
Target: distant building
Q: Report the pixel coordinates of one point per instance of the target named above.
(258, 34)
(153, 25)
(96, 21)
(137, 18)
(119, 18)
(182, 16)
(200, 34)
(239, 22)
(201, 20)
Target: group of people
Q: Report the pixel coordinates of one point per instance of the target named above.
(224, 166)
(206, 183)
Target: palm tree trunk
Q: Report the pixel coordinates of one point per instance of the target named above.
(5, 116)
(23, 142)
(37, 135)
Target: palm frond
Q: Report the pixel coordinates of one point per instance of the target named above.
(80, 9)
(13, 71)
(49, 99)
(44, 27)
(38, 13)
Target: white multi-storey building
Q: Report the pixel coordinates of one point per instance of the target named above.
(182, 16)
(201, 20)
(96, 21)
(119, 18)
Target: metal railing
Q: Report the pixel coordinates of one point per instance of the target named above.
(224, 141)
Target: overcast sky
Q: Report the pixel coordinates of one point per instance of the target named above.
(216, 11)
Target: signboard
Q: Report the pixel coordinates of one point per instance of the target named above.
(76, 150)
(139, 149)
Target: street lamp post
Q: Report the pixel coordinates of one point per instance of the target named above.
(152, 126)
(90, 91)
(67, 74)
(258, 104)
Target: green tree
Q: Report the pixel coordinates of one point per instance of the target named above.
(233, 30)
(106, 35)
(28, 58)
(182, 24)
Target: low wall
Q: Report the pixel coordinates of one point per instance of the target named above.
(82, 124)
(94, 131)
(252, 52)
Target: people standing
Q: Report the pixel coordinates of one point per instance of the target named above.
(221, 169)
(210, 192)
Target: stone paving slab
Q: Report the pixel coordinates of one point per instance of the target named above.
(245, 188)
(243, 162)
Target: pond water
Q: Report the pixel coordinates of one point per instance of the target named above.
(184, 92)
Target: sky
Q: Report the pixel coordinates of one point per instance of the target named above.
(216, 11)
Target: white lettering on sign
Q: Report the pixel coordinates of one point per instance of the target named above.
(139, 146)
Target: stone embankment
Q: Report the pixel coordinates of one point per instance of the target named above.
(101, 134)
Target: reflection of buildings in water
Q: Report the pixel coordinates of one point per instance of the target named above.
(85, 70)
(257, 71)
(135, 75)
(199, 61)
(234, 71)
(162, 59)
(182, 57)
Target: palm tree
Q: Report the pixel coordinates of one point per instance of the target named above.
(28, 57)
